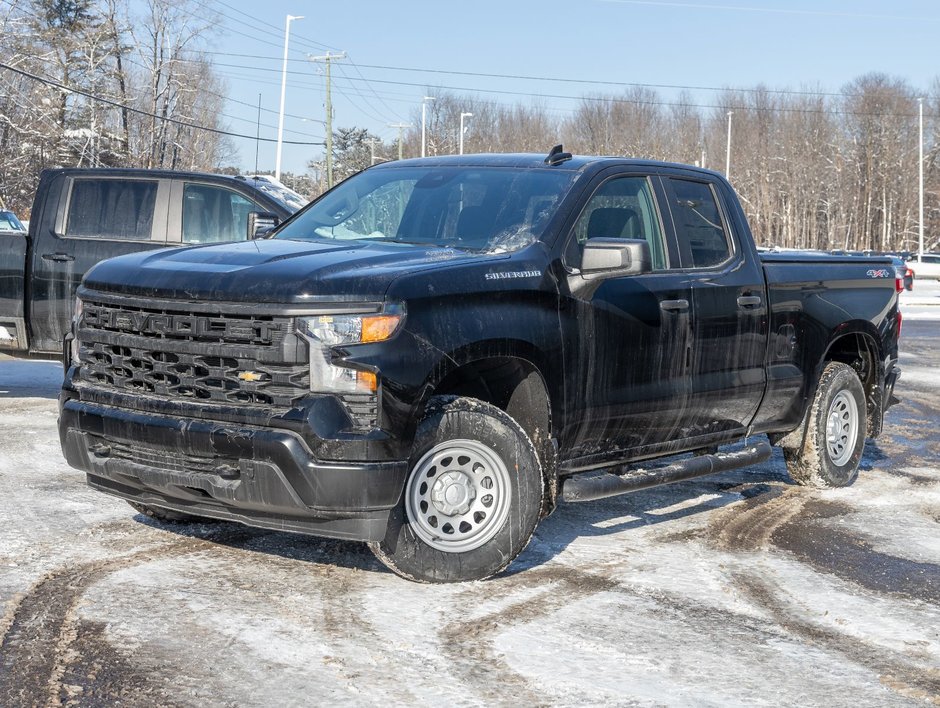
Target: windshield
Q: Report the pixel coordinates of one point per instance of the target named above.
(480, 208)
(283, 195)
(8, 222)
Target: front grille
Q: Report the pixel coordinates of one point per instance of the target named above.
(160, 459)
(208, 378)
(170, 324)
(168, 351)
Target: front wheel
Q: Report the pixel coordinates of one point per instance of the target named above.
(472, 498)
(835, 436)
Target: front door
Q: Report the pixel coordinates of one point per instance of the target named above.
(630, 351)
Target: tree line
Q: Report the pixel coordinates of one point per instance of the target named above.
(111, 83)
(813, 170)
(105, 83)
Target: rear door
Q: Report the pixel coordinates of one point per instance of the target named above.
(729, 307)
(97, 217)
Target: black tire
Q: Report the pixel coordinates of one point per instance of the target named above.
(835, 432)
(472, 499)
(166, 515)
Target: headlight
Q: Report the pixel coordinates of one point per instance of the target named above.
(324, 332)
(76, 320)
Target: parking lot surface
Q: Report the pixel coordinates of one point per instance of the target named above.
(735, 589)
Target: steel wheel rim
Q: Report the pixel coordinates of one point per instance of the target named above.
(841, 428)
(458, 495)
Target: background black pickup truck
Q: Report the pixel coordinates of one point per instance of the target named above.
(431, 354)
(82, 216)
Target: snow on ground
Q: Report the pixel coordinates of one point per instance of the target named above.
(923, 302)
(736, 589)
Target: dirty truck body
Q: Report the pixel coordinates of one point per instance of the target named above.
(429, 356)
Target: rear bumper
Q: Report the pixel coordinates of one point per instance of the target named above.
(258, 476)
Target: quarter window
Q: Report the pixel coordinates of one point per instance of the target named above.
(111, 209)
(622, 208)
(703, 240)
(213, 214)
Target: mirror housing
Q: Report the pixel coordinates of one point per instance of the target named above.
(615, 256)
(260, 222)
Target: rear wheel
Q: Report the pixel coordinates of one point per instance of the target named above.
(472, 498)
(835, 435)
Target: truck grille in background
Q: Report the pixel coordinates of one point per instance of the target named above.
(236, 359)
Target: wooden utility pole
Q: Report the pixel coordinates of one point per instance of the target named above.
(327, 58)
(401, 130)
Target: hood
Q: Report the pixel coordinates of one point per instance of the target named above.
(276, 270)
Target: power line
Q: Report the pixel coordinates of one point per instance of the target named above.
(770, 10)
(619, 99)
(117, 104)
(131, 61)
(596, 82)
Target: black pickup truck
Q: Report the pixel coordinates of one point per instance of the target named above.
(83, 215)
(433, 353)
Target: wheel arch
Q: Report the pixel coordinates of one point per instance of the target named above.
(508, 374)
(855, 344)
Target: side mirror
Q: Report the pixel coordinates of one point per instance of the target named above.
(260, 222)
(615, 256)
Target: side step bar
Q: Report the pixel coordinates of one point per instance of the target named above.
(581, 489)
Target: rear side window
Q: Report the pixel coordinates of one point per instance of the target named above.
(213, 214)
(703, 240)
(111, 209)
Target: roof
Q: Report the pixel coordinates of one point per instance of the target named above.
(535, 160)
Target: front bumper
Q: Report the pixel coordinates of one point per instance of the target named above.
(258, 476)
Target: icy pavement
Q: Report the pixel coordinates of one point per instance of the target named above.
(740, 589)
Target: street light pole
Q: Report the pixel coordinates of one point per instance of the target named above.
(258, 134)
(462, 116)
(280, 119)
(424, 118)
(728, 150)
(920, 250)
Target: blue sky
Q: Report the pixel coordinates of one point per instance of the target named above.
(710, 43)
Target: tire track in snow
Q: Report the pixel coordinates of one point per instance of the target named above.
(469, 643)
(780, 519)
(41, 628)
(894, 670)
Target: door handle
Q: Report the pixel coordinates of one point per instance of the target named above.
(58, 257)
(749, 301)
(674, 305)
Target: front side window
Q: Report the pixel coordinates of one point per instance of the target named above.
(703, 241)
(111, 209)
(9, 222)
(491, 209)
(621, 208)
(213, 214)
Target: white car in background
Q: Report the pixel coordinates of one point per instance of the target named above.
(928, 267)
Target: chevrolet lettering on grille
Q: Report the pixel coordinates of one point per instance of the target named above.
(166, 324)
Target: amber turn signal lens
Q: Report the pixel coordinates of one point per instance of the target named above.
(366, 381)
(379, 328)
